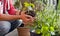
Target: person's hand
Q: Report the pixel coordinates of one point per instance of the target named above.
(17, 12)
(26, 18)
(30, 20)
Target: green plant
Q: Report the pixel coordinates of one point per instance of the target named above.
(46, 22)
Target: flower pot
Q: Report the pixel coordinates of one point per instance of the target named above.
(34, 34)
(23, 31)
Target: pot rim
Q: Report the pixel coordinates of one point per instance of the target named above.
(23, 27)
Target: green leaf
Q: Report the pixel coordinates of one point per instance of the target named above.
(52, 29)
(38, 31)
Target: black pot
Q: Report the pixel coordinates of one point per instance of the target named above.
(34, 34)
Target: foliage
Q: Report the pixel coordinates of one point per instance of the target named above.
(46, 19)
(46, 22)
(58, 4)
(26, 4)
(17, 4)
(59, 14)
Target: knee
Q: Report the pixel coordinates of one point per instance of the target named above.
(4, 27)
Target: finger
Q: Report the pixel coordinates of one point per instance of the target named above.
(28, 16)
(26, 20)
(23, 12)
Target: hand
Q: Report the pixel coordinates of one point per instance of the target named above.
(30, 23)
(17, 12)
(26, 18)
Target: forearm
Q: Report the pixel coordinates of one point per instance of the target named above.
(9, 17)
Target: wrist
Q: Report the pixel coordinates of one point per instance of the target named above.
(18, 12)
(19, 17)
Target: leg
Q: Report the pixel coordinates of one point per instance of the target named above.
(4, 27)
(15, 24)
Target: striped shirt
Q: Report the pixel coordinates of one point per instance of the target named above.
(8, 7)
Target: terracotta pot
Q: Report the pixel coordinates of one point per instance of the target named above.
(23, 31)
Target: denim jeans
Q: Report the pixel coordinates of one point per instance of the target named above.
(6, 26)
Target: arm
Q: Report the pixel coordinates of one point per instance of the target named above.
(23, 16)
(9, 17)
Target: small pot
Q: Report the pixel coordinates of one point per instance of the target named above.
(34, 34)
(23, 31)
